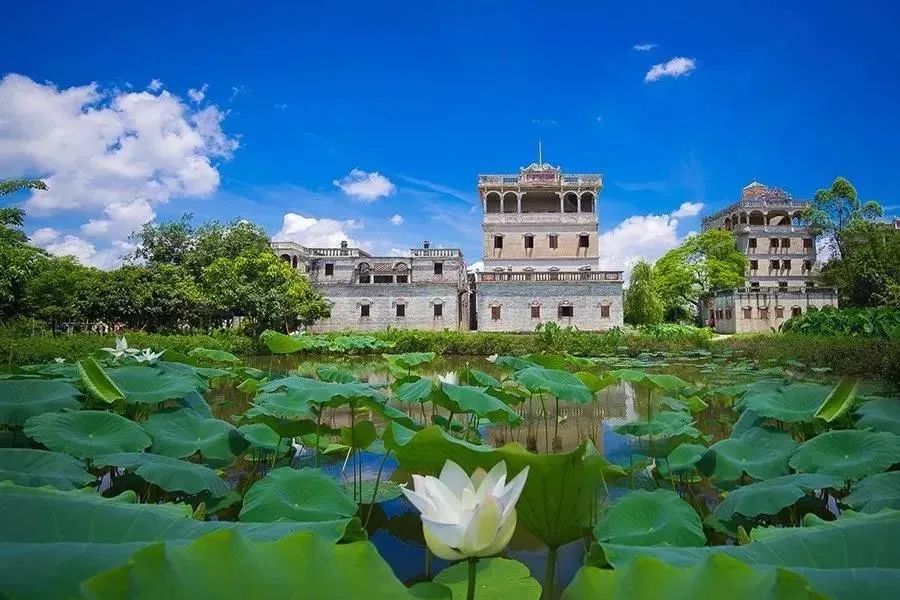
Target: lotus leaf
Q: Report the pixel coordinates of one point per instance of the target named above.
(470, 376)
(761, 453)
(850, 558)
(279, 343)
(793, 403)
(170, 474)
(87, 433)
(415, 389)
(513, 363)
(387, 490)
(648, 578)
(21, 399)
(561, 384)
(880, 414)
(289, 405)
(496, 579)
(333, 374)
(685, 456)
(226, 565)
(360, 436)
(594, 383)
(850, 454)
(642, 518)
(548, 361)
(838, 401)
(152, 385)
(305, 390)
(97, 382)
(53, 370)
(876, 492)
(214, 356)
(559, 496)
(37, 468)
(747, 421)
(296, 495)
(263, 437)
(182, 432)
(197, 403)
(666, 423)
(468, 399)
(772, 495)
(409, 360)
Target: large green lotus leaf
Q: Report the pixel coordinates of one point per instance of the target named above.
(772, 495)
(170, 474)
(850, 453)
(191, 370)
(97, 382)
(37, 468)
(761, 453)
(279, 343)
(684, 457)
(21, 399)
(214, 356)
(548, 361)
(283, 405)
(333, 374)
(87, 433)
(152, 385)
(562, 384)
(747, 421)
(881, 414)
(227, 565)
(304, 390)
(362, 435)
(850, 558)
(263, 437)
(513, 363)
(875, 492)
(372, 494)
(793, 403)
(594, 383)
(670, 383)
(559, 495)
(470, 376)
(197, 403)
(53, 370)
(182, 432)
(648, 578)
(296, 495)
(666, 423)
(838, 401)
(74, 535)
(468, 399)
(409, 360)
(642, 518)
(495, 579)
(415, 389)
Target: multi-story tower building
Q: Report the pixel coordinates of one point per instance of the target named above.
(766, 222)
(540, 253)
(426, 290)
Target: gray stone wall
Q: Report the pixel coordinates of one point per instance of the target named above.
(754, 312)
(515, 300)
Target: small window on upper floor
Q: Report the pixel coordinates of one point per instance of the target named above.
(604, 311)
(763, 313)
(774, 264)
(438, 268)
(748, 313)
(751, 243)
(779, 312)
(553, 240)
(498, 242)
(438, 310)
(754, 265)
(728, 314)
(785, 242)
(754, 285)
(773, 242)
(401, 310)
(566, 311)
(584, 240)
(786, 264)
(807, 243)
(529, 242)
(796, 311)
(329, 269)
(402, 278)
(495, 313)
(364, 310)
(535, 312)
(782, 285)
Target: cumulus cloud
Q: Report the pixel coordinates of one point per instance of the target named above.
(639, 237)
(397, 220)
(688, 209)
(316, 233)
(197, 95)
(644, 47)
(366, 187)
(59, 244)
(476, 267)
(112, 156)
(676, 67)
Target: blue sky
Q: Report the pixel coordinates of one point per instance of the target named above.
(428, 95)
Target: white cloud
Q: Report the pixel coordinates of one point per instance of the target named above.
(366, 187)
(112, 156)
(397, 220)
(316, 233)
(476, 267)
(197, 95)
(398, 252)
(688, 209)
(644, 47)
(58, 244)
(155, 85)
(43, 236)
(639, 237)
(674, 68)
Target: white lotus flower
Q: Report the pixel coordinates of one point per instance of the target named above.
(463, 517)
(147, 355)
(59, 361)
(449, 377)
(121, 349)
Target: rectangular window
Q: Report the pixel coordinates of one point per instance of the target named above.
(401, 310)
(754, 265)
(782, 285)
(774, 264)
(796, 311)
(384, 279)
(554, 241)
(402, 278)
(810, 284)
(785, 242)
(773, 242)
(604, 311)
(529, 242)
(779, 312)
(807, 243)
(364, 310)
(584, 241)
(365, 278)
(728, 314)
(439, 310)
(438, 268)
(754, 285)
(763, 313)
(495, 313)
(566, 311)
(807, 265)
(751, 243)
(535, 312)
(498, 242)
(718, 313)
(329, 269)
(748, 313)
(786, 264)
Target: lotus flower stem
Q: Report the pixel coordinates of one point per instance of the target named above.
(473, 566)
(375, 491)
(550, 573)
(318, 425)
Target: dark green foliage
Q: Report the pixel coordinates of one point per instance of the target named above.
(882, 322)
(643, 304)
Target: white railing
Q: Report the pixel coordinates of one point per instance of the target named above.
(435, 252)
(540, 276)
(539, 177)
(583, 218)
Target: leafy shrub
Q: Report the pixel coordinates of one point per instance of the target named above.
(883, 322)
(676, 331)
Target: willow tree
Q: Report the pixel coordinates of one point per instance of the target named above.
(643, 305)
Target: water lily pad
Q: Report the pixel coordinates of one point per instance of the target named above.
(296, 495)
(793, 403)
(495, 578)
(37, 468)
(875, 493)
(642, 518)
(772, 495)
(182, 432)
(562, 384)
(761, 453)
(24, 398)
(87, 433)
(170, 474)
(850, 454)
(152, 385)
(880, 414)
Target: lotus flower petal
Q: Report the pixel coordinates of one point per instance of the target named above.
(503, 536)
(489, 484)
(513, 490)
(423, 503)
(445, 501)
(437, 547)
(453, 476)
(482, 529)
(446, 533)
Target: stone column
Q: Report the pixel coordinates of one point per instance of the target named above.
(518, 202)
(579, 202)
(560, 195)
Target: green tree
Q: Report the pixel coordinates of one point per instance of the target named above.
(643, 305)
(18, 260)
(835, 208)
(868, 271)
(11, 186)
(167, 243)
(57, 290)
(262, 289)
(701, 264)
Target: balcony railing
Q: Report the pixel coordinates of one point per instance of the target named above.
(583, 218)
(435, 252)
(552, 276)
(539, 178)
(796, 290)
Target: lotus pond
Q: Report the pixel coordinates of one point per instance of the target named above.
(132, 474)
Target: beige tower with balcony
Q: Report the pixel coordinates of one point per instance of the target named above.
(541, 255)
